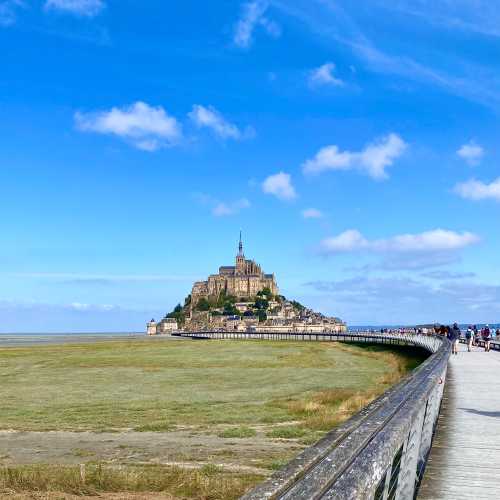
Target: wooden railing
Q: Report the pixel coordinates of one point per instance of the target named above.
(381, 452)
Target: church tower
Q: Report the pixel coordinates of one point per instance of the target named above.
(240, 259)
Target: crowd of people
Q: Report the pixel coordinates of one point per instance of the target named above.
(472, 336)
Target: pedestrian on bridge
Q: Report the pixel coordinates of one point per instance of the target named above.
(454, 335)
(469, 335)
(475, 333)
(487, 338)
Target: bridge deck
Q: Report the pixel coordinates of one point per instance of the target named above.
(465, 455)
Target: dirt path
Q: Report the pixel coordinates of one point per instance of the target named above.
(107, 496)
(187, 447)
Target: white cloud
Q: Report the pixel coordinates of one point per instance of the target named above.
(312, 213)
(402, 300)
(324, 76)
(472, 153)
(210, 118)
(477, 190)
(437, 240)
(222, 209)
(372, 160)
(252, 16)
(8, 14)
(78, 306)
(87, 8)
(279, 185)
(148, 128)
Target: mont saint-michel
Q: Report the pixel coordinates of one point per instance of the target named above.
(242, 298)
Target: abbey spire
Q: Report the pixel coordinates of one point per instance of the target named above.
(240, 248)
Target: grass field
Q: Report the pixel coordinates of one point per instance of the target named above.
(247, 406)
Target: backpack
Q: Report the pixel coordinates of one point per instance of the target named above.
(468, 335)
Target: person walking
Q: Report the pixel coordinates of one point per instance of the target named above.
(469, 335)
(487, 338)
(454, 336)
(443, 330)
(476, 335)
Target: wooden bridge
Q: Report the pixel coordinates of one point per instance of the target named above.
(384, 452)
(464, 462)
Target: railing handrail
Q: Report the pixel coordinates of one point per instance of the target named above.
(381, 450)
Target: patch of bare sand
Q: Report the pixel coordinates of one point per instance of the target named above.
(106, 496)
(186, 448)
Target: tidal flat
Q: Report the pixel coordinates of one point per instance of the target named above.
(224, 413)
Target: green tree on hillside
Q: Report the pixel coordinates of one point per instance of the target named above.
(203, 305)
(178, 314)
(261, 303)
(297, 305)
(231, 310)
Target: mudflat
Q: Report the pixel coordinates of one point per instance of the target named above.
(214, 407)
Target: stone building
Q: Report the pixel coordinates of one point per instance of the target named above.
(165, 326)
(151, 327)
(243, 280)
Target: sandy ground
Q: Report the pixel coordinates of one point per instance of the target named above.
(185, 447)
(66, 496)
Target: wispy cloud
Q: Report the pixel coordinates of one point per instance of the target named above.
(372, 160)
(222, 209)
(324, 76)
(408, 261)
(471, 153)
(73, 316)
(210, 118)
(312, 213)
(8, 11)
(403, 300)
(252, 16)
(146, 127)
(82, 278)
(87, 8)
(444, 275)
(476, 190)
(280, 185)
(471, 80)
(476, 16)
(436, 240)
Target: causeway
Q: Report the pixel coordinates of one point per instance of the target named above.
(465, 455)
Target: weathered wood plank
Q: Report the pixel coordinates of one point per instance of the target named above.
(466, 451)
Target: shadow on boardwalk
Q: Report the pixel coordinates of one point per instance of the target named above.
(466, 451)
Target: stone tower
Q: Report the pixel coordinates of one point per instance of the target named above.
(240, 259)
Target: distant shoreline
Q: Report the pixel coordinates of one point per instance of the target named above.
(30, 339)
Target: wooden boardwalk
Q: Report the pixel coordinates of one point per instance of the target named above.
(465, 458)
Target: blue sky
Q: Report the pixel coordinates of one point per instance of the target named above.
(354, 143)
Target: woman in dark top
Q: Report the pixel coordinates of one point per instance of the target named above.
(486, 338)
(454, 335)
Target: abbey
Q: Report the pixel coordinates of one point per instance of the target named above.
(243, 280)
